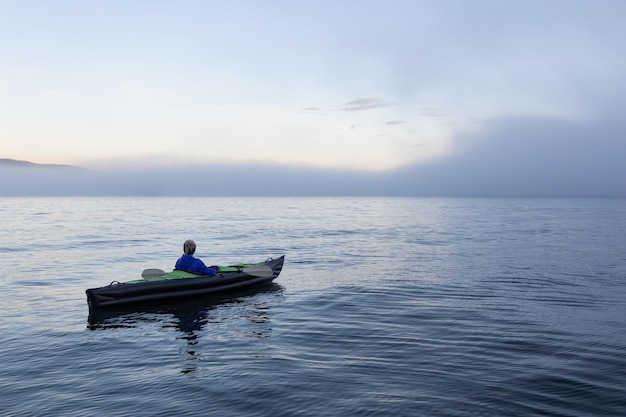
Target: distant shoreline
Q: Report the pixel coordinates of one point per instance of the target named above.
(7, 162)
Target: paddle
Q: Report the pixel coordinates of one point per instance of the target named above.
(152, 273)
(262, 271)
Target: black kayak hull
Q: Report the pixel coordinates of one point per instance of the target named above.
(122, 294)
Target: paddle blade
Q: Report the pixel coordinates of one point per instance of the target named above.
(152, 273)
(263, 271)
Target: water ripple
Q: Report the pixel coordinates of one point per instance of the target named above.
(402, 307)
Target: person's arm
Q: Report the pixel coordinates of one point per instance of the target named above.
(203, 269)
(212, 270)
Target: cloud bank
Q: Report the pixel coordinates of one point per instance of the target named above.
(512, 157)
(529, 157)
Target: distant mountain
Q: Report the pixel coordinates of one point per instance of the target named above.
(14, 163)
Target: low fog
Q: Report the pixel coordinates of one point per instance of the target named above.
(509, 158)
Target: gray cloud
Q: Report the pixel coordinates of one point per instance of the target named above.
(432, 112)
(361, 104)
(529, 157)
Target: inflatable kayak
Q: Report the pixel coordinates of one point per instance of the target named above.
(157, 285)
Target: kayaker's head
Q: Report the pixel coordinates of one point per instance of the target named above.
(189, 247)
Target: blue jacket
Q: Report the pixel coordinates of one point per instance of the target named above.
(194, 265)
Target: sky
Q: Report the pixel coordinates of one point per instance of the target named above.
(398, 94)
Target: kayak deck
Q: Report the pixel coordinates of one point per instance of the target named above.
(179, 284)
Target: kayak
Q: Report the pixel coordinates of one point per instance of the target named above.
(176, 284)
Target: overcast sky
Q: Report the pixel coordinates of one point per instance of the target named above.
(396, 87)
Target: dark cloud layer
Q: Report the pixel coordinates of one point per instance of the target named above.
(512, 158)
(529, 157)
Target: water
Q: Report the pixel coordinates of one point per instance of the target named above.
(385, 307)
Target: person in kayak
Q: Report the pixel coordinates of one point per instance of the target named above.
(188, 263)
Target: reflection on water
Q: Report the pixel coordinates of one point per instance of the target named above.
(402, 307)
(242, 314)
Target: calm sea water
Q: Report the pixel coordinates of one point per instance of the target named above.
(385, 307)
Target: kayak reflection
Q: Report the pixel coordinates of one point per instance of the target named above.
(222, 321)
